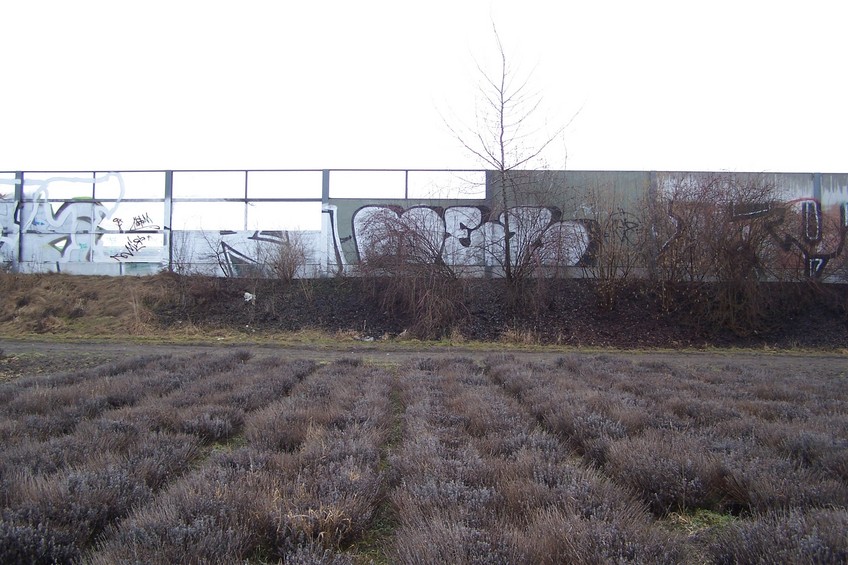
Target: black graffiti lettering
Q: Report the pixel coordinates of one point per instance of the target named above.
(131, 247)
(143, 222)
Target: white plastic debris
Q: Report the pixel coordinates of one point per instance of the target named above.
(249, 297)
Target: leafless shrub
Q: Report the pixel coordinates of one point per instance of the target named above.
(714, 235)
(182, 254)
(407, 274)
(619, 239)
(214, 258)
(286, 259)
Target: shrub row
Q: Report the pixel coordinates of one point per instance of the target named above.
(300, 501)
(729, 439)
(86, 447)
(481, 483)
(228, 458)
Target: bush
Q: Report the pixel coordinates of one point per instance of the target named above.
(403, 266)
(756, 481)
(212, 423)
(670, 472)
(212, 516)
(717, 252)
(25, 544)
(817, 536)
(555, 537)
(75, 507)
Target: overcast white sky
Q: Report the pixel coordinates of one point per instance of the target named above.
(720, 85)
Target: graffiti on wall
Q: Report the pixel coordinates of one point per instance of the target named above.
(249, 253)
(819, 239)
(8, 227)
(473, 236)
(803, 216)
(799, 227)
(64, 222)
(46, 230)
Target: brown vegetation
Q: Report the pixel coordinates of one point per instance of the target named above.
(229, 457)
(170, 306)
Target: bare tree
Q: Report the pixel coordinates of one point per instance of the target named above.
(507, 138)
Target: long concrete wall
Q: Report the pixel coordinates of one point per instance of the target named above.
(130, 223)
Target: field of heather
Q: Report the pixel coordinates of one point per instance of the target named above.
(234, 457)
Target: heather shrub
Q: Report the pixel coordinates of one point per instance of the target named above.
(324, 526)
(315, 554)
(133, 364)
(587, 492)
(421, 501)
(47, 400)
(46, 426)
(801, 442)
(26, 544)
(9, 390)
(211, 423)
(773, 410)
(10, 431)
(670, 471)
(212, 516)
(692, 411)
(794, 537)
(154, 416)
(246, 459)
(342, 362)
(555, 536)
(281, 425)
(447, 540)
(91, 438)
(329, 503)
(757, 481)
(835, 464)
(274, 381)
(475, 469)
(161, 457)
(588, 433)
(74, 507)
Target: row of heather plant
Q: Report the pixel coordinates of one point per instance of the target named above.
(769, 449)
